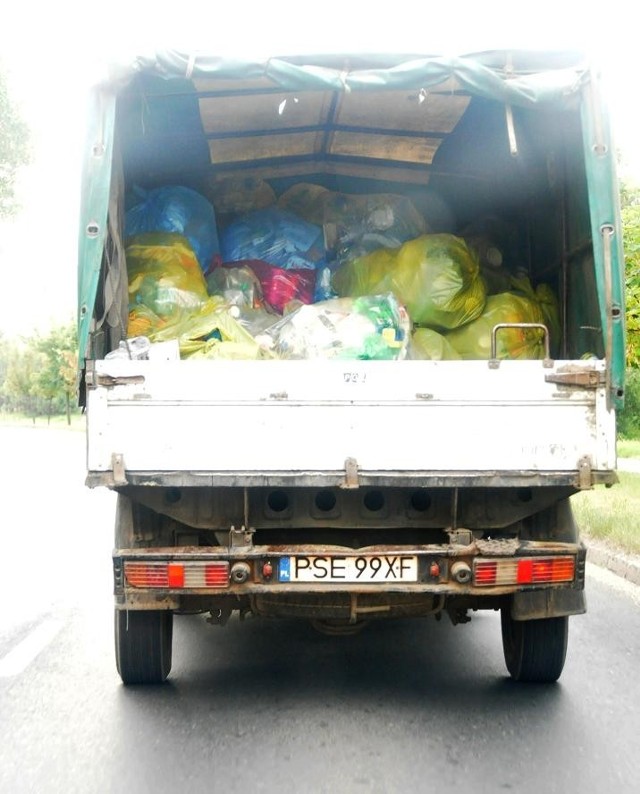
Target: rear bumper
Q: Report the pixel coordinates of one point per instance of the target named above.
(437, 576)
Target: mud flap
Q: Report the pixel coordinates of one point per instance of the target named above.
(538, 604)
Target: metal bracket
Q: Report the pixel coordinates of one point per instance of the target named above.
(586, 379)
(240, 538)
(460, 537)
(585, 473)
(355, 611)
(110, 381)
(351, 474)
(117, 466)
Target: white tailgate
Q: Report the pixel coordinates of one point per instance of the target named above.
(311, 416)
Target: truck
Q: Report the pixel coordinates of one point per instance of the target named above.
(345, 487)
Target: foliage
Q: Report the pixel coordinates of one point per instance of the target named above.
(38, 373)
(57, 376)
(610, 515)
(629, 417)
(14, 149)
(631, 238)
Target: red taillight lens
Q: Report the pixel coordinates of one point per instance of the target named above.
(485, 573)
(175, 574)
(558, 569)
(216, 574)
(142, 574)
(524, 573)
(524, 570)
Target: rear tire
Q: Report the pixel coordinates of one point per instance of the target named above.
(534, 650)
(143, 645)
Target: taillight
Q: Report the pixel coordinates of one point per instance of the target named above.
(177, 575)
(524, 570)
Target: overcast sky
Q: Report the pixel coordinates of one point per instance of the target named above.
(49, 72)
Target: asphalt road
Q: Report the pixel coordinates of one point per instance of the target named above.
(274, 706)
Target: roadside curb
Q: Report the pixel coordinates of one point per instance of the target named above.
(627, 566)
(617, 562)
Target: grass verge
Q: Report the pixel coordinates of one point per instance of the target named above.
(628, 448)
(609, 514)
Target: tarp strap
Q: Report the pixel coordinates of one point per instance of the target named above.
(190, 66)
(511, 131)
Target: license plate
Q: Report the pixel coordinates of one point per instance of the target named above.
(332, 569)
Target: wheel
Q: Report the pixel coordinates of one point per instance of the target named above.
(534, 650)
(143, 645)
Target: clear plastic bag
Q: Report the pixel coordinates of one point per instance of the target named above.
(356, 224)
(239, 286)
(369, 327)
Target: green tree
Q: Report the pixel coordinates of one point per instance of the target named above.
(631, 237)
(38, 373)
(22, 365)
(55, 381)
(6, 347)
(14, 148)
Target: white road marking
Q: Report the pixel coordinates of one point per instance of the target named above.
(20, 657)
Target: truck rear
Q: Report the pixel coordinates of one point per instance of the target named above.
(389, 421)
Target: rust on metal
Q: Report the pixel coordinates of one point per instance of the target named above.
(586, 379)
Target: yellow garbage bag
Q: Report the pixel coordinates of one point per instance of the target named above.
(429, 345)
(474, 340)
(165, 281)
(210, 331)
(435, 276)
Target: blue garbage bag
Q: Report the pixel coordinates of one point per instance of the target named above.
(275, 236)
(176, 209)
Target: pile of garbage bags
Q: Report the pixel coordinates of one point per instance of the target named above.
(316, 274)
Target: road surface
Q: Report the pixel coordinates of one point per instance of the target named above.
(273, 706)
